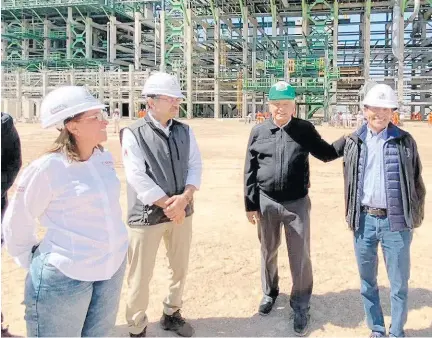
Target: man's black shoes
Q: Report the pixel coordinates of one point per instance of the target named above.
(301, 323)
(266, 304)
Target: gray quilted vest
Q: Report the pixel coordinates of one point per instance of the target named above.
(166, 161)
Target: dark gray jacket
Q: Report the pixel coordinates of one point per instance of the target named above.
(11, 160)
(409, 202)
(277, 160)
(166, 161)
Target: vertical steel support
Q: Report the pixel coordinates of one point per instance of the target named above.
(335, 58)
(400, 57)
(69, 34)
(162, 35)
(245, 60)
(366, 40)
(189, 65)
(137, 41)
(217, 44)
(89, 38)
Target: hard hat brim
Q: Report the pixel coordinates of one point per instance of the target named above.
(381, 105)
(178, 95)
(281, 97)
(60, 117)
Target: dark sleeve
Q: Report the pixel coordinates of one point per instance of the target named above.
(11, 154)
(319, 148)
(419, 185)
(251, 192)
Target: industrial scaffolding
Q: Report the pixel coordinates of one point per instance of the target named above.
(226, 53)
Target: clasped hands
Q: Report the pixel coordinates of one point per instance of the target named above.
(175, 208)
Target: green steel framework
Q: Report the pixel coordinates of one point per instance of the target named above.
(17, 32)
(309, 66)
(175, 17)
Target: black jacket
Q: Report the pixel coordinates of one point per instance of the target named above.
(413, 190)
(10, 156)
(277, 160)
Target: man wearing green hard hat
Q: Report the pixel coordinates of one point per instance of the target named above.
(276, 193)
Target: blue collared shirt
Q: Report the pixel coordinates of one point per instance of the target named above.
(374, 192)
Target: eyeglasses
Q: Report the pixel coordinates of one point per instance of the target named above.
(101, 116)
(171, 100)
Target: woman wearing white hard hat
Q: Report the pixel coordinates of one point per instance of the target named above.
(75, 272)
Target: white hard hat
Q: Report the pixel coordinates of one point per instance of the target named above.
(381, 95)
(162, 84)
(65, 102)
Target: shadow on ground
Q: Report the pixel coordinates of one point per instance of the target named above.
(343, 309)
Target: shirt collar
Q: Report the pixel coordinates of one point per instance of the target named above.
(275, 126)
(158, 124)
(382, 134)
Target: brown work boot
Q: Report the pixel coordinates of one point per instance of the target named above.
(177, 324)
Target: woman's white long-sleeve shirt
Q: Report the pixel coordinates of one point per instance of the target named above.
(78, 203)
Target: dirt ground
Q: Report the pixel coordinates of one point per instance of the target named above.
(223, 287)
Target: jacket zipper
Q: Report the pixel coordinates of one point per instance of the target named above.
(403, 165)
(172, 167)
(161, 133)
(281, 161)
(385, 179)
(360, 183)
(363, 145)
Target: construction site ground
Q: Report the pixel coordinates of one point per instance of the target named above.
(223, 286)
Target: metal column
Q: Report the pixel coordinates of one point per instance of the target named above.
(245, 59)
(335, 59)
(366, 40)
(47, 41)
(131, 93)
(137, 41)
(112, 39)
(69, 33)
(400, 54)
(89, 38)
(254, 70)
(189, 49)
(216, 63)
(162, 34)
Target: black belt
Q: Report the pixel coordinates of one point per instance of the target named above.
(374, 211)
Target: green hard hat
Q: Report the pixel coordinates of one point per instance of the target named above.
(281, 91)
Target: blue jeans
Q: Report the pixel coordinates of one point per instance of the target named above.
(59, 306)
(396, 251)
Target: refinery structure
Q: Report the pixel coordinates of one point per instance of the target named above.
(226, 53)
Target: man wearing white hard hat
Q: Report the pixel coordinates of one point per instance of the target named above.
(75, 273)
(163, 169)
(385, 200)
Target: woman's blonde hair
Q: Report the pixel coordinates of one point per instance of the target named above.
(66, 143)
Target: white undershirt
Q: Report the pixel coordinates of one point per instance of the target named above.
(147, 190)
